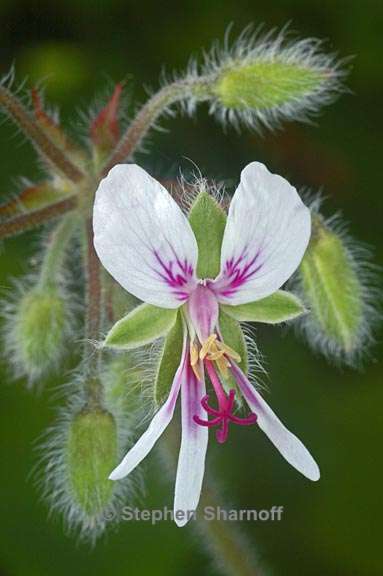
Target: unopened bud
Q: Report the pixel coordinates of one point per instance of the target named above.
(333, 285)
(36, 331)
(91, 454)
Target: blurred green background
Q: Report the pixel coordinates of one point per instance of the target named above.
(333, 527)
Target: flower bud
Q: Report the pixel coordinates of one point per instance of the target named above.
(333, 279)
(36, 331)
(262, 80)
(91, 454)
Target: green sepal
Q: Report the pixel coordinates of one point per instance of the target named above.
(233, 336)
(208, 222)
(169, 361)
(279, 307)
(142, 326)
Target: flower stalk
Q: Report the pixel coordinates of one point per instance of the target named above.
(24, 222)
(150, 112)
(44, 145)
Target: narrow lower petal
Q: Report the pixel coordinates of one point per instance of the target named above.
(287, 443)
(142, 237)
(191, 461)
(157, 426)
(266, 235)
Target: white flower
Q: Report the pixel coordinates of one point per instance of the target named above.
(147, 244)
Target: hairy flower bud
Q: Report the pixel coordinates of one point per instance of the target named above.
(36, 330)
(334, 280)
(81, 450)
(91, 453)
(263, 80)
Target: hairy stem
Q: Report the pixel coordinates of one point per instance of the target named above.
(93, 388)
(25, 222)
(224, 541)
(43, 144)
(150, 112)
(56, 249)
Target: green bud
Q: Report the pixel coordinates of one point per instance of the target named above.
(262, 80)
(333, 290)
(91, 453)
(265, 85)
(37, 330)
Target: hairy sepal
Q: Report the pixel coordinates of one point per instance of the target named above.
(282, 306)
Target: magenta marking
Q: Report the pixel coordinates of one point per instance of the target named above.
(238, 272)
(176, 275)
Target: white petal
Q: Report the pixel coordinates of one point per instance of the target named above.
(287, 443)
(156, 427)
(191, 461)
(266, 235)
(142, 237)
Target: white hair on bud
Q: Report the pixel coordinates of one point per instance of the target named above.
(52, 475)
(359, 257)
(258, 47)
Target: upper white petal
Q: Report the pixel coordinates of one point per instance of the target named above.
(191, 461)
(291, 448)
(267, 232)
(142, 237)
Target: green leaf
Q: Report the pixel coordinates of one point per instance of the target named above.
(169, 361)
(141, 326)
(279, 307)
(208, 222)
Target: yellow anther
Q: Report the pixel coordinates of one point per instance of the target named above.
(206, 346)
(228, 351)
(223, 366)
(216, 351)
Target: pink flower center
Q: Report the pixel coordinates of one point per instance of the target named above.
(224, 413)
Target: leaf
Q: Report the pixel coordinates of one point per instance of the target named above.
(169, 361)
(208, 222)
(279, 307)
(143, 325)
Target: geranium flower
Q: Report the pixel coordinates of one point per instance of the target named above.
(148, 245)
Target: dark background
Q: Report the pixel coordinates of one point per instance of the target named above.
(333, 527)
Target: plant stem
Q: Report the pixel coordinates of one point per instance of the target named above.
(56, 249)
(92, 386)
(44, 145)
(30, 220)
(93, 287)
(150, 112)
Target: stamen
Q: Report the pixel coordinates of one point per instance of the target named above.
(206, 346)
